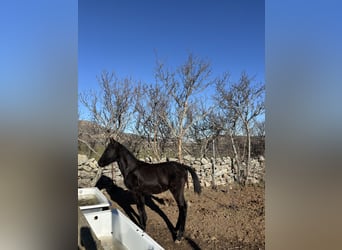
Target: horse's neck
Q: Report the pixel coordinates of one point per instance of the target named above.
(127, 163)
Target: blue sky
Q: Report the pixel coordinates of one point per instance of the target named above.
(124, 36)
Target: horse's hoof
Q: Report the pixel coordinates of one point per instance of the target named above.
(179, 239)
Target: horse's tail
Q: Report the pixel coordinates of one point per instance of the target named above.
(197, 185)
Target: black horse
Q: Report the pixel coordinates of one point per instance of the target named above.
(145, 179)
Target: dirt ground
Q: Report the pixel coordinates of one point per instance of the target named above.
(222, 218)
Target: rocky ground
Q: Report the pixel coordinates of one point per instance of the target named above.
(230, 217)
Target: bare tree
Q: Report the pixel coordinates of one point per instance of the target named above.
(183, 85)
(204, 131)
(259, 128)
(243, 102)
(153, 102)
(201, 134)
(248, 102)
(111, 108)
(229, 120)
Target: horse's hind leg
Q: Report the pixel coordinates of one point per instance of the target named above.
(141, 209)
(182, 207)
(182, 218)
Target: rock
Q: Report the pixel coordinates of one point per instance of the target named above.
(252, 180)
(197, 162)
(81, 159)
(84, 182)
(206, 183)
(83, 174)
(188, 158)
(173, 159)
(204, 161)
(197, 167)
(87, 168)
(207, 166)
(93, 164)
(230, 180)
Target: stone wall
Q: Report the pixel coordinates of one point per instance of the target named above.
(225, 171)
(88, 171)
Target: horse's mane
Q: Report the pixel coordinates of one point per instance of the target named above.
(124, 149)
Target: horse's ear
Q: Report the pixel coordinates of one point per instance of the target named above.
(111, 140)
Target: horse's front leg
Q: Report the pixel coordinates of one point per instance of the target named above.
(141, 209)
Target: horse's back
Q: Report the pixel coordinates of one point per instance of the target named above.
(164, 170)
(159, 177)
(171, 169)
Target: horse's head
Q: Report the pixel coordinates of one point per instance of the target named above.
(110, 154)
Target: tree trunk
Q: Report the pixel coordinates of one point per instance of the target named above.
(248, 152)
(155, 145)
(213, 167)
(236, 156)
(180, 149)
